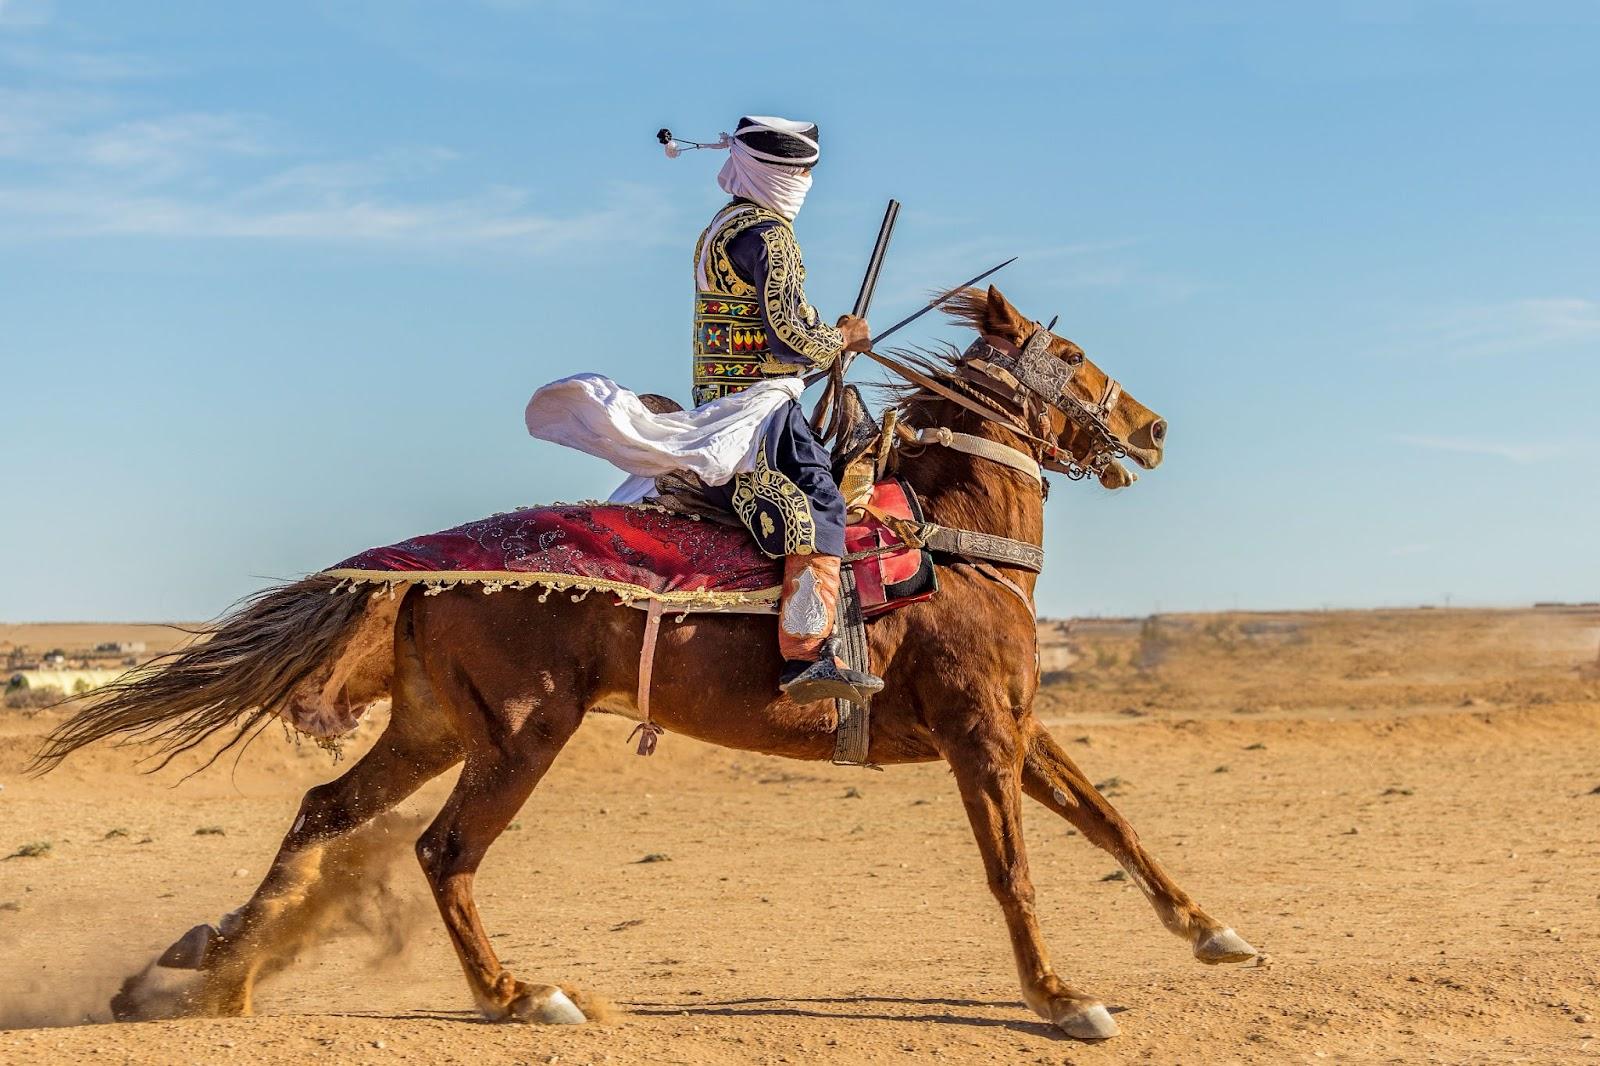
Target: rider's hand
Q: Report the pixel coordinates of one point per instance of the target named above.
(857, 337)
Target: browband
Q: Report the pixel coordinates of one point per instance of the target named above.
(1032, 366)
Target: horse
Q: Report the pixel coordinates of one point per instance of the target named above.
(500, 683)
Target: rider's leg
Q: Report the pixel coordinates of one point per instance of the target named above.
(812, 530)
(806, 620)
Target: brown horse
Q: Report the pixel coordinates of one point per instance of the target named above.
(500, 683)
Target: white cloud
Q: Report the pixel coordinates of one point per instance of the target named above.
(1510, 327)
(502, 217)
(1511, 451)
(86, 164)
(171, 145)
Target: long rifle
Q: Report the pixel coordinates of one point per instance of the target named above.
(875, 265)
(832, 398)
(869, 284)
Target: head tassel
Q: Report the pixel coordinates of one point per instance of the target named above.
(675, 148)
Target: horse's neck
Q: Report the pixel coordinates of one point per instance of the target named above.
(964, 491)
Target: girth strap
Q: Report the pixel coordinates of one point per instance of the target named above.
(976, 545)
(964, 542)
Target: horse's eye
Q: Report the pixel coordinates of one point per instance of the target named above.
(1074, 358)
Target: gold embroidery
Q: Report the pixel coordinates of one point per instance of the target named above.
(731, 349)
(720, 277)
(772, 488)
(796, 322)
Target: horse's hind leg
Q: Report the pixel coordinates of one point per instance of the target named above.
(416, 746)
(493, 786)
(1050, 776)
(987, 762)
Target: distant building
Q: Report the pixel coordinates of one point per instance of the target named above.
(121, 647)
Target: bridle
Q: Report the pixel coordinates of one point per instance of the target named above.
(994, 374)
(1031, 377)
(1005, 385)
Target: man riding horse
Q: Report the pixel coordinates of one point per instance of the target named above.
(752, 322)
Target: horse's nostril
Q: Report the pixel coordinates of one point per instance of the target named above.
(1158, 430)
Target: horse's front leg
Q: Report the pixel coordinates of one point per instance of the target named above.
(986, 757)
(1050, 776)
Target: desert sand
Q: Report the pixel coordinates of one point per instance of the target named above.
(1400, 808)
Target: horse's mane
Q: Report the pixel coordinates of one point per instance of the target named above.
(969, 307)
(937, 362)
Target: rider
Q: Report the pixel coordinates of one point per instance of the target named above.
(752, 321)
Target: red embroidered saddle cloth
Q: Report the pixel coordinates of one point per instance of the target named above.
(638, 553)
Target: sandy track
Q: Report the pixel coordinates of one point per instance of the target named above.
(1426, 884)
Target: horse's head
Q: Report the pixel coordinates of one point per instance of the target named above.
(1092, 409)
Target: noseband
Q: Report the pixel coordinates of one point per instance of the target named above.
(1031, 375)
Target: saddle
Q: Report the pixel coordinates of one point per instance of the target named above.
(683, 553)
(888, 572)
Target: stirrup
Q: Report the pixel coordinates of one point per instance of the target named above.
(825, 679)
(865, 681)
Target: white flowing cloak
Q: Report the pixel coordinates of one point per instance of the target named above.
(715, 441)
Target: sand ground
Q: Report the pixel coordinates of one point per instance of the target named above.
(1402, 809)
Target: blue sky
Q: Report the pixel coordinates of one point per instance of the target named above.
(276, 280)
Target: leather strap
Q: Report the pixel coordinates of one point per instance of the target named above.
(923, 380)
(1047, 447)
(1011, 586)
(982, 447)
(964, 542)
(647, 731)
(854, 732)
(973, 545)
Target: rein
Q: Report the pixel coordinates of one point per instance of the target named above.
(1025, 375)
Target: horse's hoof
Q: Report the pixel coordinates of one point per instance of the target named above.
(154, 993)
(188, 952)
(1092, 1022)
(547, 1006)
(127, 1005)
(1223, 945)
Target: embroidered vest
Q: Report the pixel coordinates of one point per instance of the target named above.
(731, 349)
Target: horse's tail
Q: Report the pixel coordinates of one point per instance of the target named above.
(240, 673)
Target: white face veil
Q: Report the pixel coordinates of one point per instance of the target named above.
(772, 185)
(769, 161)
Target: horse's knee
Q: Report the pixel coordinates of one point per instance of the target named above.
(323, 814)
(1011, 886)
(433, 853)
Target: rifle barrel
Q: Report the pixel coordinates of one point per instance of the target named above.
(869, 282)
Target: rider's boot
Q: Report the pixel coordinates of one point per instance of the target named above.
(812, 669)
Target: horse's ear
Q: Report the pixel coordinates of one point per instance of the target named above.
(1001, 319)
